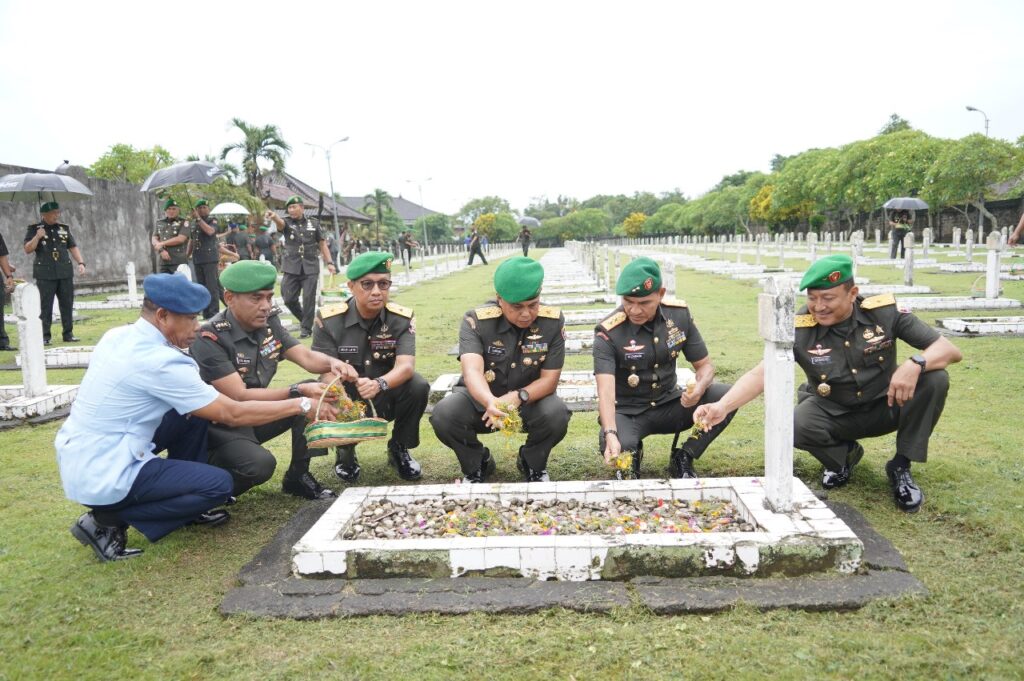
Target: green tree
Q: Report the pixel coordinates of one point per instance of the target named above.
(896, 123)
(438, 228)
(259, 143)
(380, 203)
(468, 214)
(126, 163)
(484, 224)
(633, 225)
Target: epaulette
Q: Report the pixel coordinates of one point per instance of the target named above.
(334, 310)
(673, 302)
(489, 312)
(804, 321)
(549, 312)
(881, 300)
(400, 310)
(222, 325)
(613, 321)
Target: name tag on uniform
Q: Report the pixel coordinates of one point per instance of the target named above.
(495, 351)
(242, 360)
(348, 350)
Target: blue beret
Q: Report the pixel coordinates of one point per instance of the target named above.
(174, 292)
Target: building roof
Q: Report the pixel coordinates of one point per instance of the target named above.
(278, 187)
(408, 211)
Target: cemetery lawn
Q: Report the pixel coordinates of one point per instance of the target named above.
(65, 616)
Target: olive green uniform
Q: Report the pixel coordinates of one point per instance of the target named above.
(643, 361)
(513, 358)
(371, 347)
(167, 229)
(206, 258)
(4, 339)
(301, 267)
(849, 367)
(223, 347)
(55, 275)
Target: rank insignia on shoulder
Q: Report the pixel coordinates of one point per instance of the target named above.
(489, 312)
(673, 302)
(333, 310)
(209, 334)
(804, 321)
(399, 310)
(881, 300)
(222, 325)
(613, 321)
(549, 312)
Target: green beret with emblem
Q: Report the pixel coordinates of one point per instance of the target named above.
(639, 278)
(518, 279)
(246, 276)
(295, 198)
(202, 202)
(170, 203)
(372, 262)
(264, 228)
(48, 206)
(828, 272)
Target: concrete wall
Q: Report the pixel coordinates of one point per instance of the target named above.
(112, 227)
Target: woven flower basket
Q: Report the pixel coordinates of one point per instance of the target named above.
(322, 434)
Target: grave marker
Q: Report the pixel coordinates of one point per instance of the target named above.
(776, 326)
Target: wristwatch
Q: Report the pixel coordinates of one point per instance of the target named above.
(293, 391)
(384, 387)
(919, 361)
(611, 431)
(524, 396)
(305, 404)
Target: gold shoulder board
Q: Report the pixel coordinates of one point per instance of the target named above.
(613, 321)
(881, 300)
(400, 310)
(333, 310)
(804, 321)
(673, 302)
(549, 312)
(489, 312)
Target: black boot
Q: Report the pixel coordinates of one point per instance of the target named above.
(108, 542)
(346, 465)
(531, 474)
(834, 479)
(486, 470)
(298, 481)
(680, 464)
(907, 494)
(408, 468)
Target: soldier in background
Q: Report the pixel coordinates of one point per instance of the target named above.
(54, 247)
(171, 238)
(6, 287)
(206, 254)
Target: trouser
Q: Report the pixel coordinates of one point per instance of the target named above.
(172, 492)
(4, 338)
(64, 291)
(457, 422)
(526, 248)
(291, 286)
(668, 418)
(169, 266)
(475, 252)
(897, 243)
(404, 405)
(830, 432)
(207, 275)
(240, 451)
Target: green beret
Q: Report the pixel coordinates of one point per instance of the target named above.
(48, 206)
(372, 262)
(170, 203)
(246, 276)
(293, 199)
(201, 202)
(828, 272)
(640, 278)
(264, 228)
(518, 279)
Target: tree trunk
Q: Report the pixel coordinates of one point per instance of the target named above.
(984, 213)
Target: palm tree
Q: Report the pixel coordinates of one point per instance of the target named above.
(379, 201)
(230, 169)
(259, 143)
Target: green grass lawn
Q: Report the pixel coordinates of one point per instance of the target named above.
(66, 616)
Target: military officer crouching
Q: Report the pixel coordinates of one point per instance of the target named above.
(378, 339)
(238, 352)
(635, 351)
(855, 388)
(511, 351)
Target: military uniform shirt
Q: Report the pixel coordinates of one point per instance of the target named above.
(513, 357)
(224, 347)
(856, 358)
(263, 244)
(302, 239)
(369, 345)
(167, 229)
(52, 256)
(643, 358)
(240, 240)
(205, 249)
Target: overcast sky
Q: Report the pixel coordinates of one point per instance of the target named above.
(520, 99)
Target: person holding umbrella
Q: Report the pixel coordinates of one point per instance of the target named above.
(54, 248)
(206, 254)
(171, 238)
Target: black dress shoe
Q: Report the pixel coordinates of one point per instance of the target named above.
(408, 468)
(680, 465)
(109, 543)
(486, 470)
(71, 339)
(537, 476)
(346, 465)
(305, 334)
(835, 479)
(305, 485)
(905, 491)
(46, 341)
(7, 348)
(213, 517)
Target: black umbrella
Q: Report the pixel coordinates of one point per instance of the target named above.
(189, 172)
(527, 221)
(41, 187)
(905, 203)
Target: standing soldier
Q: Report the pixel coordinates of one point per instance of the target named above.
(524, 239)
(511, 351)
(54, 247)
(264, 245)
(378, 339)
(303, 242)
(206, 255)
(6, 287)
(238, 352)
(635, 351)
(475, 247)
(171, 238)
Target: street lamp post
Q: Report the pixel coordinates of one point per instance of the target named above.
(423, 209)
(971, 108)
(334, 201)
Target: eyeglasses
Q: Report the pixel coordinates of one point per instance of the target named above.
(368, 284)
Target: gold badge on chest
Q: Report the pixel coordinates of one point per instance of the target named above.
(824, 389)
(489, 376)
(633, 380)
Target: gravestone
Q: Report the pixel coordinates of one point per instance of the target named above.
(970, 245)
(184, 269)
(133, 291)
(776, 327)
(908, 262)
(994, 248)
(957, 233)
